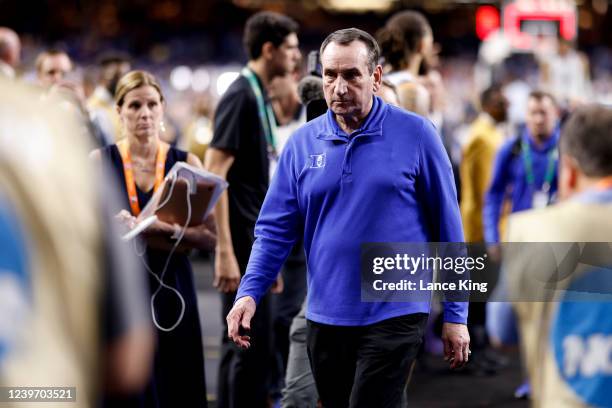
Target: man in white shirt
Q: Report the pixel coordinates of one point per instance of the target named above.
(565, 74)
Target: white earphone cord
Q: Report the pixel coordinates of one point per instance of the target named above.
(160, 278)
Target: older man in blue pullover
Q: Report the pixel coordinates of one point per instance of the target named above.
(364, 172)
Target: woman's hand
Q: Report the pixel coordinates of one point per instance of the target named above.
(201, 236)
(162, 235)
(126, 219)
(163, 228)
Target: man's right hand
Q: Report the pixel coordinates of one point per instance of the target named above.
(240, 316)
(227, 272)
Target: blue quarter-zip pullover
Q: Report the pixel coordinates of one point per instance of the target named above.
(389, 181)
(510, 178)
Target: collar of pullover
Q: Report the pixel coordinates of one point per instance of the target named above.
(372, 126)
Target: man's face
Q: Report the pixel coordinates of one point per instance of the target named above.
(541, 117)
(347, 83)
(286, 56)
(53, 69)
(498, 107)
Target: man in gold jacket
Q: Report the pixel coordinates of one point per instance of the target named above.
(477, 162)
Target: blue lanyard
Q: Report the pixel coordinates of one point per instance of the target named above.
(266, 114)
(528, 160)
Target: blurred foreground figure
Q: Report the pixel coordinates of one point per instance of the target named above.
(567, 335)
(54, 259)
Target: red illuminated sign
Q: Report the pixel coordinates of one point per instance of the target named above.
(487, 21)
(542, 16)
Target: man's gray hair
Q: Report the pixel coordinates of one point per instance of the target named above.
(347, 36)
(586, 137)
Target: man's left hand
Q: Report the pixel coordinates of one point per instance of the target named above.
(456, 341)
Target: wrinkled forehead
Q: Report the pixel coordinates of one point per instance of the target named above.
(339, 57)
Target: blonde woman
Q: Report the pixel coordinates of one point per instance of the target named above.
(140, 161)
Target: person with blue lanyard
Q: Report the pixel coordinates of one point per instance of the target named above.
(525, 173)
(244, 152)
(567, 339)
(363, 172)
(525, 169)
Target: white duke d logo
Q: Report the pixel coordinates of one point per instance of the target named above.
(317, 161)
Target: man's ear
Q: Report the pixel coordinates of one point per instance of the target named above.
(569, 176)
(267, 50)
(377, 74)
(420, 46)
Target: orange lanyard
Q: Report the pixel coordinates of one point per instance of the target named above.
(160, 163)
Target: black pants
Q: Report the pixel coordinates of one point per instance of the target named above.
(244, 375)
(286, 306)
(364, 366)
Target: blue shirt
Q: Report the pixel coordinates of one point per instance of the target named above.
(510, 178)
(389, 181)
(595, 196)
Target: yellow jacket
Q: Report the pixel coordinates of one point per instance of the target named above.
(475, 172)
